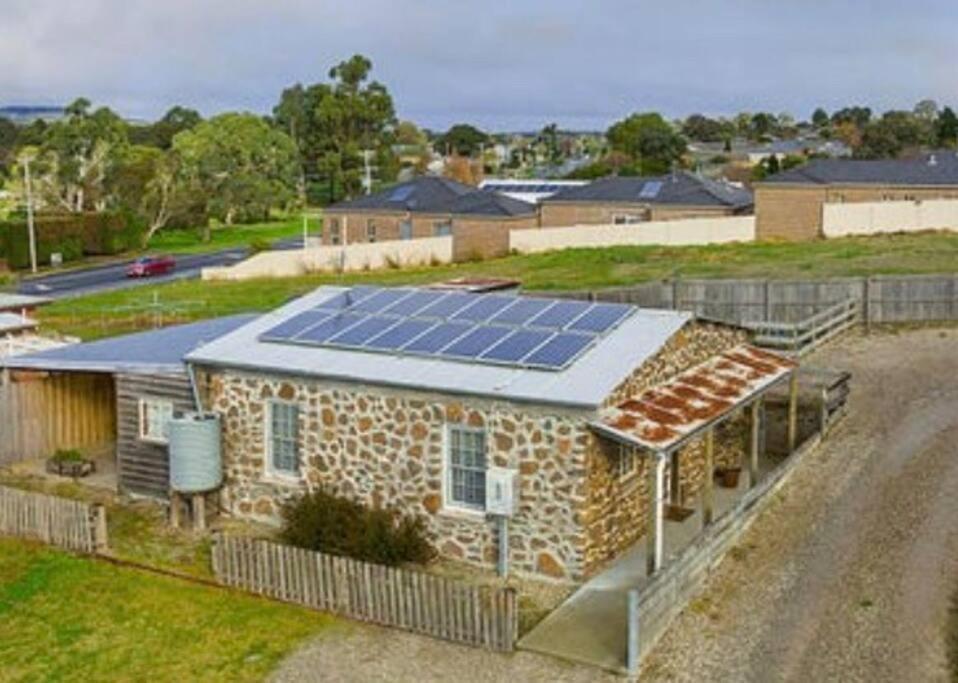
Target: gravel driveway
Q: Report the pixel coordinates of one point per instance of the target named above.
(849, 574)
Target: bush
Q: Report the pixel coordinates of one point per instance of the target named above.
(73, 235)
(67, 455)
(258, 244)
(332, 524)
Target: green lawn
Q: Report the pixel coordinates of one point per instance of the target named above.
(116, 312)
(69, 618)
(223, 237)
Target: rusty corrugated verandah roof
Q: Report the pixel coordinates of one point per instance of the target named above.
(662, 417)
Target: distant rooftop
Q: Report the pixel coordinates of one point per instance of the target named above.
(17, 302)
(933, 168)
(433, 194)
(680, 188)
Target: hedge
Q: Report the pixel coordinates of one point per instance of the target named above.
(72, 235)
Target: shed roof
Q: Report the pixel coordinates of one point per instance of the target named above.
(14, 322)
(664, 416)
(681, 188)
(154, 352)
(934, 168)
(16, 302)
(585, 383)
(431, 194)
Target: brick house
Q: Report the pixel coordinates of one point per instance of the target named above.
(479, 221)
(620, 200)
(789, 205)
(601, 414)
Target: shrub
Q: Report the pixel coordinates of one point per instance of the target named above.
(73, 235)
(332, 524)
(258, 244)
(67, 455)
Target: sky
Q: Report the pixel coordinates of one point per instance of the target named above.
(512, 65)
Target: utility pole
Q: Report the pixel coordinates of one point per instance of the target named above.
(28, 186)
(305, 231)
(368, 172)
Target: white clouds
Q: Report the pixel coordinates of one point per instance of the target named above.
(517, 64)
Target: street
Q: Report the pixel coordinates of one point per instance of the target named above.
(113, 276)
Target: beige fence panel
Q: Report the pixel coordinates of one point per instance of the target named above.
(414, 601)
(70, 524)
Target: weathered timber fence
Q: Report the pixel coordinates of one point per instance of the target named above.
(883, 299)
(414, 601)
(807, 335)
(69, 524)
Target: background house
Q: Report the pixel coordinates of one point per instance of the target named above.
(427, 206)
(413, 398)
(637, 199)
(789, 205)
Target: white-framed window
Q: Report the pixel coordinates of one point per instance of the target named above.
(442, 228)
(627, 462)
(466, 467)
(626, 219)
(370, 230)
(334, 236)
(282, 443)
(155, 415)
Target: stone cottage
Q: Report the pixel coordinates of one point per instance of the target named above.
(414, 398)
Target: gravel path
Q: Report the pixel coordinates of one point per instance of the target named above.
(848, 576)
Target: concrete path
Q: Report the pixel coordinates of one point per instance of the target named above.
(590, 627)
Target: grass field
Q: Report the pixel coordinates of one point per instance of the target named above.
(69, 618)
(188, 241)
(116, 312)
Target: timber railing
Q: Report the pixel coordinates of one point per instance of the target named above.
(414, 601)
(806, 335)
(69, 524)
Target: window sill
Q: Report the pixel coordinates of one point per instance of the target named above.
(154, 441)
(462, 514)
(288, 480)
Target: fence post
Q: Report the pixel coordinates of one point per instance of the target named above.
(632, 649)
(101, 541)
(215, 548)
(866, 303)
(768, 300)
(675, 293)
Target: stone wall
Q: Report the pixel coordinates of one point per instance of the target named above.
(385, 447)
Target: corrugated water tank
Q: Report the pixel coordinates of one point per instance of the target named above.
(196, 463)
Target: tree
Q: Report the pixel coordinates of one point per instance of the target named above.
(549, 138)
(946, 128)
(161, 133)
(332, 123)
(649, 141)
(237, 165)
(461, 139)
(859, 116)
(8, 143)
(77, 153)
(819, 118)
(926, 110)
(704, 129)
(893, 133)
(762, 125)
(408, 133)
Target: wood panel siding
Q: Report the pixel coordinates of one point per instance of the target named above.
(143, 467)
(41, 412)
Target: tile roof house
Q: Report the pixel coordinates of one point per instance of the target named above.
(619, 199)
(429, 206)
(788, 205)
(419, 399)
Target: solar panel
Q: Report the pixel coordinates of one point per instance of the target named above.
(437, 338)
(380, 300)
(650, 189)
(600, 318)
(291, 327)
(401, 193)
(559, 351)
(447, 306)
(363, 331)
(414, 303)
(484, 307)
(517, 345)
(522, 311)
(560, 314)
(477, 341)
(328, 328)
(396, 337)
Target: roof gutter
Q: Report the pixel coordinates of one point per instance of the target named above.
(197, 401)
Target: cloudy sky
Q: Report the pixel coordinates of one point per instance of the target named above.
(504, 65)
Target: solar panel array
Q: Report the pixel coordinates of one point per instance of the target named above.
(496, 329)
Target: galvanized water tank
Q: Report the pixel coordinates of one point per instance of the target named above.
(196, 465)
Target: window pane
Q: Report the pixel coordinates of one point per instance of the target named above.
(467, 467)
(284, 437)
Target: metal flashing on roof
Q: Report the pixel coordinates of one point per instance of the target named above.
(665, 416)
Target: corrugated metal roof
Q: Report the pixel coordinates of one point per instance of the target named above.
(585, 383)
(664, 416)
(14, 322)
(14, 302)
(156, 351)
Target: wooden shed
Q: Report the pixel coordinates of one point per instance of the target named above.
(110, 396)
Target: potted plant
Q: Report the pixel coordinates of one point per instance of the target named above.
(728, 476)
(70, 463)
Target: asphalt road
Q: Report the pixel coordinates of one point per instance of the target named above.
(110, 277)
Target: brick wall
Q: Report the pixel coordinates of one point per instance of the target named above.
(561, 214)
(485, 238)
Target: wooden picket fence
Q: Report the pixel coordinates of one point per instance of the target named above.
(69, 524)
(414, 601)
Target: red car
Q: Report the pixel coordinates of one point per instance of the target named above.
(146, 266)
